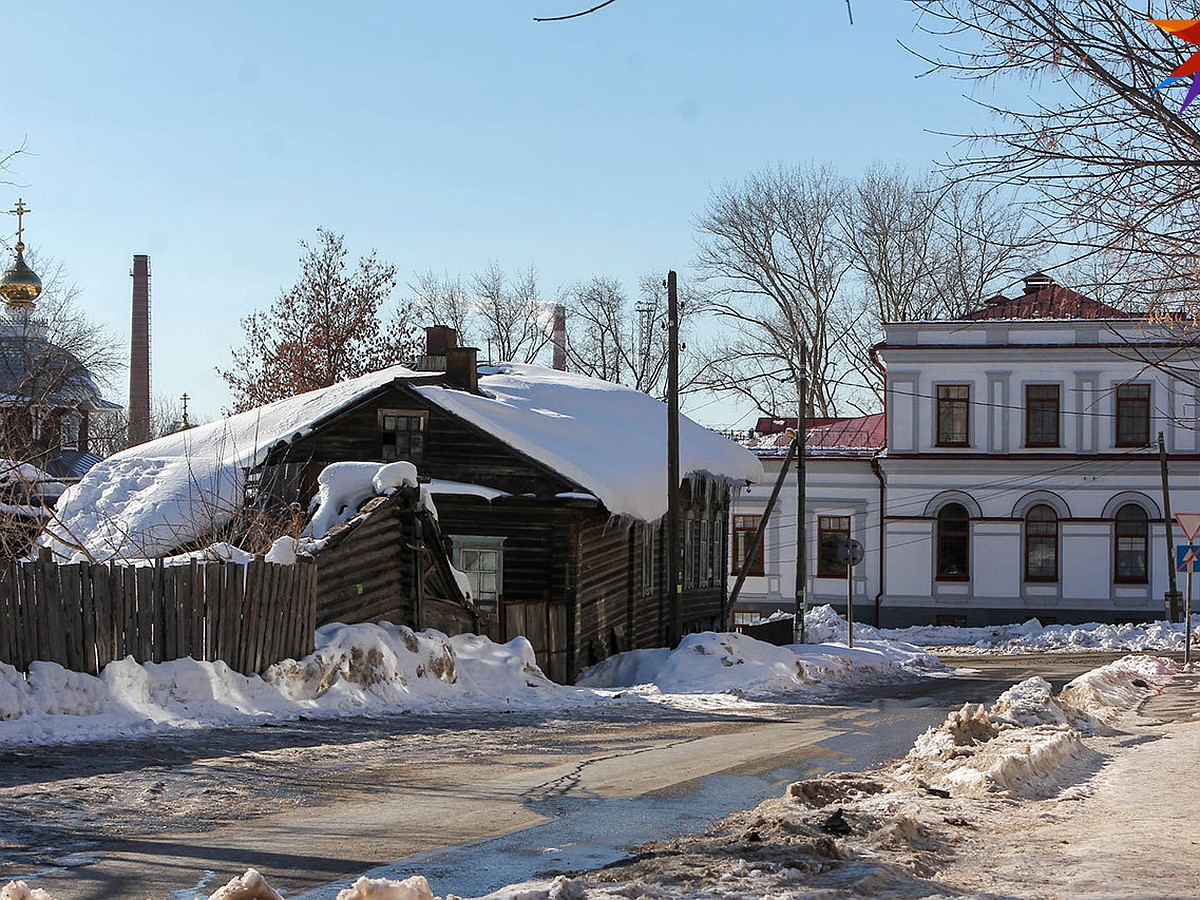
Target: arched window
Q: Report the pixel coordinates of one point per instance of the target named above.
(1132, 544)
(1041, 544)
(953, 543)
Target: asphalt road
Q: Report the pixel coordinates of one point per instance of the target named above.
(310, 802)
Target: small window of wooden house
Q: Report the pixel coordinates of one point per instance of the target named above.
(481, 559)
(649, 542)
(402, 432)
(705, 560)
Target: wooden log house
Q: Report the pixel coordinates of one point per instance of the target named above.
(547, 559)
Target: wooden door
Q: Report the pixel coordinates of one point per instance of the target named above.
(544, 625)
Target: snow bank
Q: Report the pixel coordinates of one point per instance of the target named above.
(822, 624)
(733, 662)
(1033, 637)
(355, 668)
(1029, 742)
(568, 421)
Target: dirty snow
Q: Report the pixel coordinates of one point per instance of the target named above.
(1015, 798)
(367, 668)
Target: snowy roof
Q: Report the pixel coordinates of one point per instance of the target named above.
(156, 497)
(607, 438)
(855, 436)
(1043, 299)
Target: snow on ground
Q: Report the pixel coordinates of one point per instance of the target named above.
(738, 664)
(1016, 798)
(380, 669)
(823, 624)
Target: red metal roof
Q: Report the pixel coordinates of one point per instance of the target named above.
(1043, 299)
(854, 436)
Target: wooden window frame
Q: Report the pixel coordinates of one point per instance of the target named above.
(827, 530)
(1127, 406)
(481, 543)
(1055, 402)
(1030, 537)
(743, 534)
(941, 535)
(416, 455)
(1142, 536)
(950, 403)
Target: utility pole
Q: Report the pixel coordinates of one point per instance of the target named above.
(1173, 592)
(674, 585)
(799, 633)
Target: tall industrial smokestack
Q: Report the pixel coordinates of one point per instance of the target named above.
(559, 337)
(139, 353)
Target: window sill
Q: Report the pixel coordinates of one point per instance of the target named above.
(953, 578)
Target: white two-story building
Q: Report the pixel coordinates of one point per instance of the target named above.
(1014, 473)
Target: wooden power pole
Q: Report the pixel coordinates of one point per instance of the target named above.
(674, 584)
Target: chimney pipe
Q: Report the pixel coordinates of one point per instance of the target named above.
(461, 368)
(139, 353)
(559, 337)
(439, 338)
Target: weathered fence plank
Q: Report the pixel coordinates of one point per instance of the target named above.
(84, 616)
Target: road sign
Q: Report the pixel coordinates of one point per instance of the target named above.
(1187, 557)
(1190, 523)
(850, 552)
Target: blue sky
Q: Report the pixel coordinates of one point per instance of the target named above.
(444, 133)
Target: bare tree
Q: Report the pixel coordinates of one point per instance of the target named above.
(923, 250)
(615, 338)
(442, 300)
(513, 319)
(325, 328)
(773, 248)
(802, 255)
(1111, 164)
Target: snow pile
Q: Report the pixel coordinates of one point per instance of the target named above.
(150, 499)
(355, 668)
(738, 663)
(413, 888)
(19, 890)
(822, 624)
(567, 421)
(343, 487)
(250, 885)
(1029, 742)
(1033, 637)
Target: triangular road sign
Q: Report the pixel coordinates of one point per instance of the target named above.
(1190, 523)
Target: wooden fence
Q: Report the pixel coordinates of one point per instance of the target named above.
(84, 616)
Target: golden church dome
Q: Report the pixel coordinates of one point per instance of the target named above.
(20, 286)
